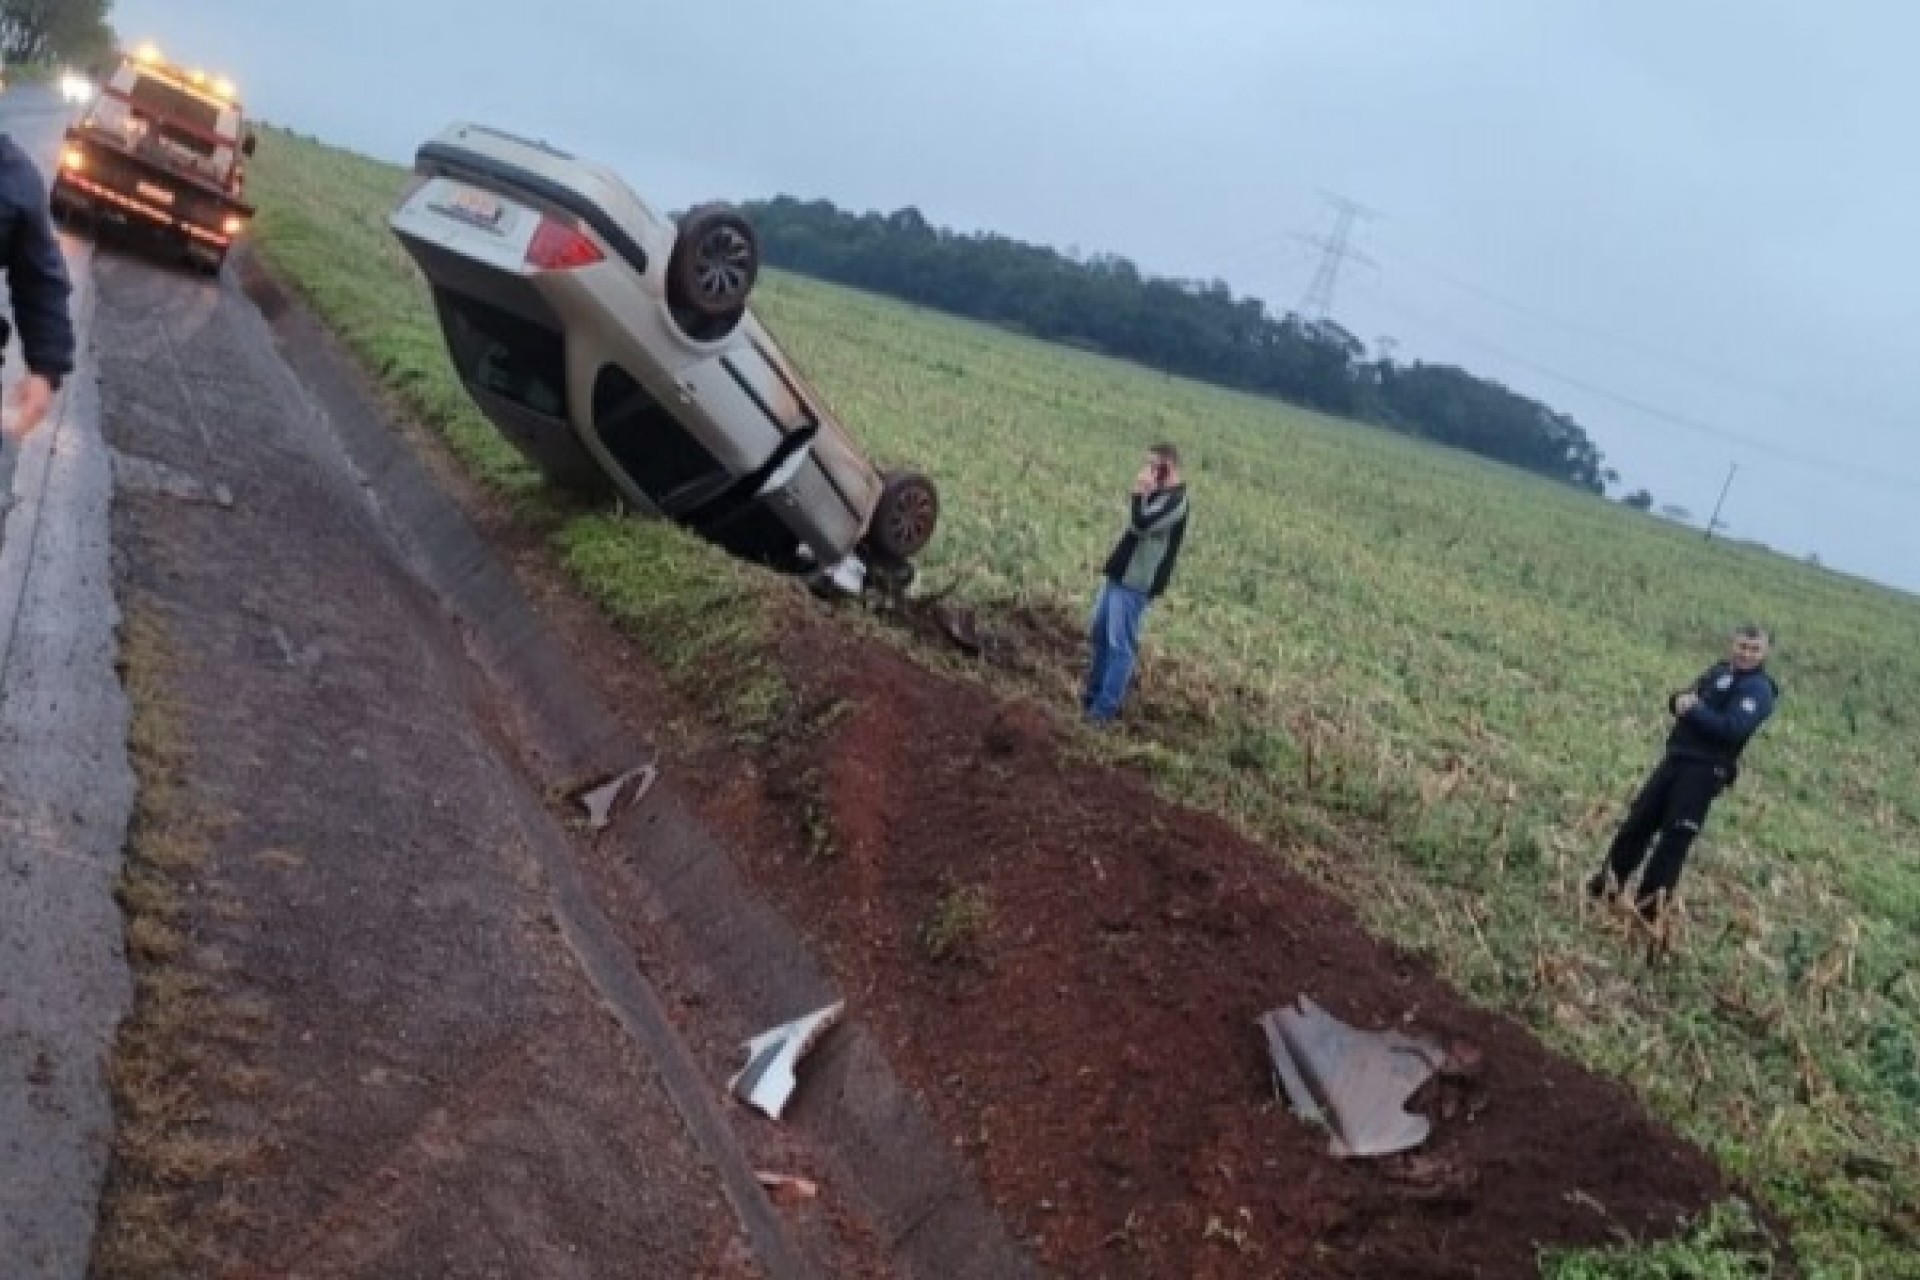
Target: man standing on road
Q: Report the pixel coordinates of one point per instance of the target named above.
(1136, 574)
(38, 285)
(1712, 723)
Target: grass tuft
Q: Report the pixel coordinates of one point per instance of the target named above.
(958, 924)
(175, 1048)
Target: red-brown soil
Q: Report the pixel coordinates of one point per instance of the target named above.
(1091, 1045)
(1087, 1040)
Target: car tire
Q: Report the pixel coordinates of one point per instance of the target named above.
(905, 516)
(715, 263)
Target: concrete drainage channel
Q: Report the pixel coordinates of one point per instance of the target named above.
(882, 1154)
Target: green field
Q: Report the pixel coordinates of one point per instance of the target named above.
(1435, 680)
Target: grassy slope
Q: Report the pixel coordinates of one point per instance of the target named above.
(1473, 659)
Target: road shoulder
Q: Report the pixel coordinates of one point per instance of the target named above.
(66, 792)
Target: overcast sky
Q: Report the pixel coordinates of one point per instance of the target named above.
(1688, 225)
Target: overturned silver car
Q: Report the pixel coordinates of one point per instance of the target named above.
(615, 348)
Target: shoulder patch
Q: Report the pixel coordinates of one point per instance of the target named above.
(1724, 682)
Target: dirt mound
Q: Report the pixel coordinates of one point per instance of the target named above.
(1070, 970)
(1043, 647)
(1017, 636)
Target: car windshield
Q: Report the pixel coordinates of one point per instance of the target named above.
(169, 103)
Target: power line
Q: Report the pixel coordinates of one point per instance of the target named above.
(1685, 422)
(1575, 326)
(1336, 249)
(1240, 256)
(1707, 369)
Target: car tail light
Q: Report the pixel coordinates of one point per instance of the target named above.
(233, 226)
(559, 247)
(74, 158)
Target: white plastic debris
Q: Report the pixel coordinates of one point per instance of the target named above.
(773, 1057)
(850, 575)
(601, 800)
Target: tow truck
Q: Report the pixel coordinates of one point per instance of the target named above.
(165, 148)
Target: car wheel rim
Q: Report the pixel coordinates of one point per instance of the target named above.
(723, 265)
(911, 519)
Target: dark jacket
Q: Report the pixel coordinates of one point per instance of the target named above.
(1144, 557)
(1732, 707)
(36, 271)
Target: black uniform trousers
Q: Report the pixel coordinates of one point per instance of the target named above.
(1668, 813)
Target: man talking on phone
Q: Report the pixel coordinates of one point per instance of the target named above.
(1137, 573)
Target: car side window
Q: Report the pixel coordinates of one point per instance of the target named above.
(507, 355)
(659, 454)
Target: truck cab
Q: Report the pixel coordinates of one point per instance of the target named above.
(165, 148)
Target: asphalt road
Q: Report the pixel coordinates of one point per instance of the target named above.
(65, 795)
(457, 1059)
(478, 1021)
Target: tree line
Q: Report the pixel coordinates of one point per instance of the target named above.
(41, 31)
(1193, 328)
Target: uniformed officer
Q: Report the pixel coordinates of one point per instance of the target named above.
(1712, 723)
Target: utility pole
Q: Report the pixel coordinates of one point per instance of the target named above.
(1336, 249)
(1713, 521)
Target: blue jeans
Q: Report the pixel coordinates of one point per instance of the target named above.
(1115, 633)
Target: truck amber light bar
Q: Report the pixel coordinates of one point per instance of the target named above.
(149, 56)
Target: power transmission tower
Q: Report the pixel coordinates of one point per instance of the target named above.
(1336, 250)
